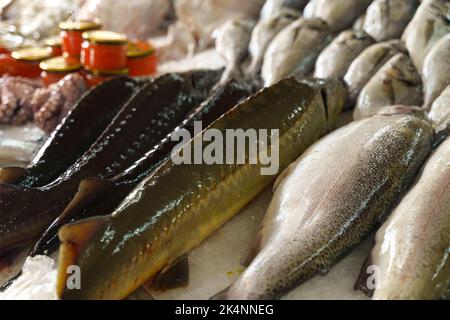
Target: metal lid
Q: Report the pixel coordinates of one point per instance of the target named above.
(105, 37)
(53, 41)
(60, 64)
(139, 49)
(118, 72)
(32, 54)
(80, 25)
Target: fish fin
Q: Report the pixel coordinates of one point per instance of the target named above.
(88, 191)
(11, 175)
(140, 294)
(74, 238)
(174, 277)
(222, 295)
(252, 252)
(361, 282)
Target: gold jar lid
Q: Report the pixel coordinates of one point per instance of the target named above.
(118, 72)
(80, 25)
(60, 64)
(105, 37)
(53, 41)
(32, 54)
(136, 51)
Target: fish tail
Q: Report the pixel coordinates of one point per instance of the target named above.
(89, 191)
(11, 175)
(74, 238)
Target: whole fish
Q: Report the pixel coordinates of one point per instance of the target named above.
(272, 8)
(295, 49)
(140, 125)
(179, 206)
(413, 245)
(76, 133)
(335, 59)
(397, 82)
(387, 19)
(330, 199)
(263, 34)
(429, 24)
(364, 67)
(339, 14)
(232, 40)
(436, 71)
(100, 197)
(440, 111)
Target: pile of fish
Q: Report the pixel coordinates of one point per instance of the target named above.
(136, 216)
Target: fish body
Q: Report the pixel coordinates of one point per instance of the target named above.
(440, 111)
(339, 14)
(397, 82)
(155, 110)
(429, 24)
(273, 7)
(330, 199)
(436, 70)
(232, 41)
(387, 19)
(263, 34)
(99, 197)
(179, 206)
(76, 133)
(364, 67)
(295, 49)
(335, 59)
(412, 247)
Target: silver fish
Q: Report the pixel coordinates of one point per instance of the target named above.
(232, 40)
(272, 7)
(429, 24)
(331, 198)
(387, 19)
(440, 111)
(436, 70)
(412, 248)
(368, 63)
(335, 59)
(263, 34)
(295, 49)
(397, 82)
(339, 14)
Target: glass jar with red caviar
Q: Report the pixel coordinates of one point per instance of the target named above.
(27, 61)
(104, 50)
(55, 45)
(55, 69)
(71, 35)
(141, 59)
(95, 77)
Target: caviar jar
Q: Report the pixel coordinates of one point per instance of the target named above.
(27, 61)
(71, 35)
(55, 69)
(95, 77)
(55, 45)
(104, 50)
(141, 59)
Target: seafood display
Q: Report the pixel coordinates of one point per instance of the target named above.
(148, 226)
(295, 50)
(333, 196)
(397, 82)
(412, 246)
(139, 137)
(335, 59)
